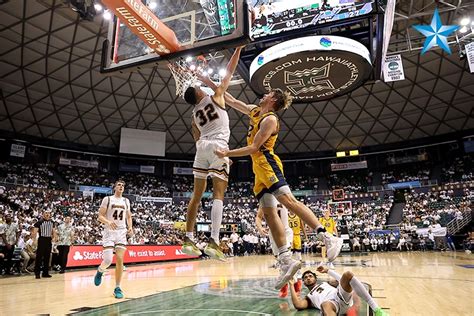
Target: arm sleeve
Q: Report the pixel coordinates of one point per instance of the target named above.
(37, 224)
(334, 274)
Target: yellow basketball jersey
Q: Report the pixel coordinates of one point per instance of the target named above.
(254, 127)
(329, 224)
(295, 224)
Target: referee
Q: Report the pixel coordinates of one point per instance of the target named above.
(46, 230)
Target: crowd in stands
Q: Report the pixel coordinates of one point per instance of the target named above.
(406, 173)
(434, 207)
(460, 169)
(353, 181)
(153, 222)
(33, 176)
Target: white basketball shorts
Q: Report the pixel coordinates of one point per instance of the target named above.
(114, 238)
(206, 162)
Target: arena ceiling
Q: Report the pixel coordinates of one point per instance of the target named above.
(51, 87)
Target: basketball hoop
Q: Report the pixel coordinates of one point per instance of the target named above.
(185, 73)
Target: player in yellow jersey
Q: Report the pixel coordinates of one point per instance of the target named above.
(297, 225)
(330, 225)
(270, 184)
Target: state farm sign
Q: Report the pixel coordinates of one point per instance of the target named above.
(92, 255)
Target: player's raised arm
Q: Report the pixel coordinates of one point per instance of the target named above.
(298, 303)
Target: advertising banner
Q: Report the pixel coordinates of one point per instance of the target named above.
(348, 166)
(80, 256)
(393, 68)
(17, 150)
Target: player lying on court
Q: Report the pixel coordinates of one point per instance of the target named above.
(115, 214)
(333, 297)
(210, 124)
(270, 185)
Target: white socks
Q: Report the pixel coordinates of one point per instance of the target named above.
(216, 219)
(359, 288)
(190, 235)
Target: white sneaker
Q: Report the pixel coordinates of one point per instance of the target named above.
(288, 268)
(333, 246)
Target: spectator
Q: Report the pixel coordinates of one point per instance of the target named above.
(65, 240)
(10, 234)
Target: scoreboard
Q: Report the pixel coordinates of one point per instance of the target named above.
(283, 16)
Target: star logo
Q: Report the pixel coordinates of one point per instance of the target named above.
(436, 33)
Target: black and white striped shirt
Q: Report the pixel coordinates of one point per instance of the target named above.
(45, 228)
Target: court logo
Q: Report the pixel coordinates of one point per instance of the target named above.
(325, 42)
(260, 60)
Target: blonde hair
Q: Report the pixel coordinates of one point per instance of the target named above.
(283, 99)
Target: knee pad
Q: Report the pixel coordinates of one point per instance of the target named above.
(108, 255)
(268, 200)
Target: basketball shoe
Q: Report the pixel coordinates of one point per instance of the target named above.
(214, 251)
(118, 292)
(333, 245)
(190, 248)
(380, 312)
(288, 268)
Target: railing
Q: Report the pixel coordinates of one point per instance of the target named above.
(457, 224)
(16, 182)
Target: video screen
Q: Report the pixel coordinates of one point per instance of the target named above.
(274, 17)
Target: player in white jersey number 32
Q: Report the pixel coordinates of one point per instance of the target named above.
(210, 131)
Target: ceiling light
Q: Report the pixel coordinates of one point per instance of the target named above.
(222, 72)
(192, 67)
(107, 15)
(463, 29)
(465, 21)
(98, 7)
(152, 5)
(189, 59)
(210, 71)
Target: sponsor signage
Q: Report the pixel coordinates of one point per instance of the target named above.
(183, 171)
(470, 55)
(349, 165)
(144, 23)
(100, 190)
(147, 169)
(80, 256)
(79, 163)
(17, 151)
(393, 68)
(154, 199)
(312, 68)
(404, 185)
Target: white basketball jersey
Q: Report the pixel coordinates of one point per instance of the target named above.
(321, 293)
(211, 120)
(117, 209)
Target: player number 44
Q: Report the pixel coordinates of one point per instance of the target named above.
(118, 215)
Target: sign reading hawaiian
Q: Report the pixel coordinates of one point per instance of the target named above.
(393, 68)
(312, 68)
(92, 255)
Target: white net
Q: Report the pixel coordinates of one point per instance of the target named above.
(183, 76)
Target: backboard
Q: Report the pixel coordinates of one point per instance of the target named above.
(200, 26)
